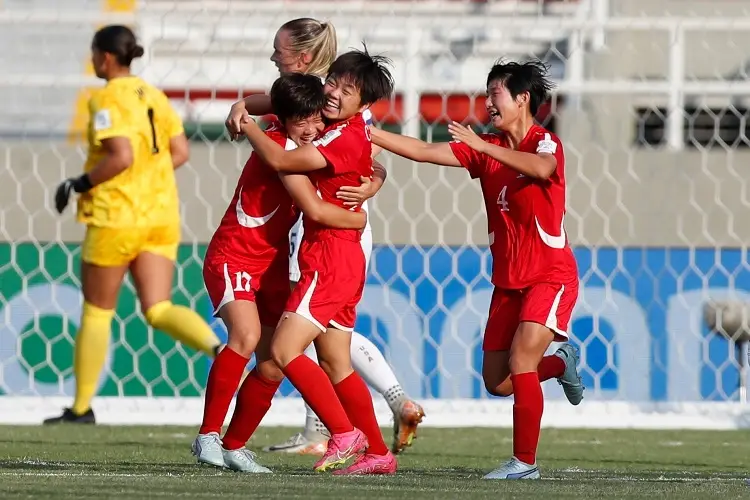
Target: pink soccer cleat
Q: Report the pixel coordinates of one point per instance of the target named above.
(370, 464)
(342, 447)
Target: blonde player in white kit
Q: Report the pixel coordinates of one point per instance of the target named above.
(309, 46)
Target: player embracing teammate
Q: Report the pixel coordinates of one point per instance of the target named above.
(246, 274)
(309, 46)
(322, 307)
(522, 174)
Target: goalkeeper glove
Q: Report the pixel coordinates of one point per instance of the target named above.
(80, 184)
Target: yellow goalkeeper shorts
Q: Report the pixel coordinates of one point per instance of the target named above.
(115, 247)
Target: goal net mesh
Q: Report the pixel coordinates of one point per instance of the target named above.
(650, 104)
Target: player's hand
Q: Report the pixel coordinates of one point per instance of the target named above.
(466, 135)
(78, 184)
(354, 196)
(237, 116)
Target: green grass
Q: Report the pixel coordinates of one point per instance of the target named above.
(152, 462)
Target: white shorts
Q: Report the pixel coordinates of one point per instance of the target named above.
(295, 238)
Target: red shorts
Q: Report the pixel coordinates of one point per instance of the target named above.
(549, 304)
(265, 283)
(331, 283)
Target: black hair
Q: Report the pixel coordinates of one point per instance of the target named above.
(119, 41)
(296, 96)
(366, 72)
(529, 76)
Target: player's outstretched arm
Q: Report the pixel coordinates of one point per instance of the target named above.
(257, 104)
(354, 196)
(439, 153)
(538, 165)
(179, 148)
(118, 157)
(306, 198)
(303, 159)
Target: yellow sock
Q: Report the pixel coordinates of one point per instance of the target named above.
(184, 325)
(92, 342)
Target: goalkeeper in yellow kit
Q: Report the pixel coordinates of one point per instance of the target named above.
(128, 201)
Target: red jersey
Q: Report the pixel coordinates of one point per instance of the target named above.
(525, 217)
(256, 225)
(347, 149)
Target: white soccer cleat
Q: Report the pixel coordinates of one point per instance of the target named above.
(207, 448)
(514, 469)
(243, 460)
(300, 445)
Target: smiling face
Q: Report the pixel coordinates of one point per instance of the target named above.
(502, 107)
(343, 99)
(305, 130)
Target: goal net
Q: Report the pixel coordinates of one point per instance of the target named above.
(651, 104)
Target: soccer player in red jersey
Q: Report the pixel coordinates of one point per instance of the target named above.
(246, 273)
(306, 45)
(522, 174)
(332, 269)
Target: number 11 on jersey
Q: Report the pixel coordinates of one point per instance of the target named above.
(502, 201)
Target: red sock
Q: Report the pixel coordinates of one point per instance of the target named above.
(527, 415)
(356, 400)
(550, 367)
(253, 402)
(223, 380)
(316, 389)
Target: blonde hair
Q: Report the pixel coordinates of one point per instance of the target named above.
(315, 38)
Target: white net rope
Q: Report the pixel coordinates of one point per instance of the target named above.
(650, 106)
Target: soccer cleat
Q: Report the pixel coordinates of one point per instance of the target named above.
(341, 447)
(405, 425)
(300, 445)
(514, 469)
(69, 417)
(243, 460)
(370, 464)
(207, 447)
(570, 380)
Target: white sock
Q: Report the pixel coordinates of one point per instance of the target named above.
(371, 365)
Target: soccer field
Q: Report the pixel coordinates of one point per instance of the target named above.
(151, 462)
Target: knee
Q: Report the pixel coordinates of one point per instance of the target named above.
(336, 370)
(243, 339)
(154, 313)
(281, 355)
(92, 314)
(503, 389)
(270, 371)
(522, 362)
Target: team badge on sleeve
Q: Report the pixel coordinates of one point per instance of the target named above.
(102, 120)
(546, 145)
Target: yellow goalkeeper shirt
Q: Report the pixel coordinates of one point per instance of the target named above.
(145, 194)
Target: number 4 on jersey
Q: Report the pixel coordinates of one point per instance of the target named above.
(502, 201)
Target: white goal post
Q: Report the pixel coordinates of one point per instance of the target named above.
(652, 110)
